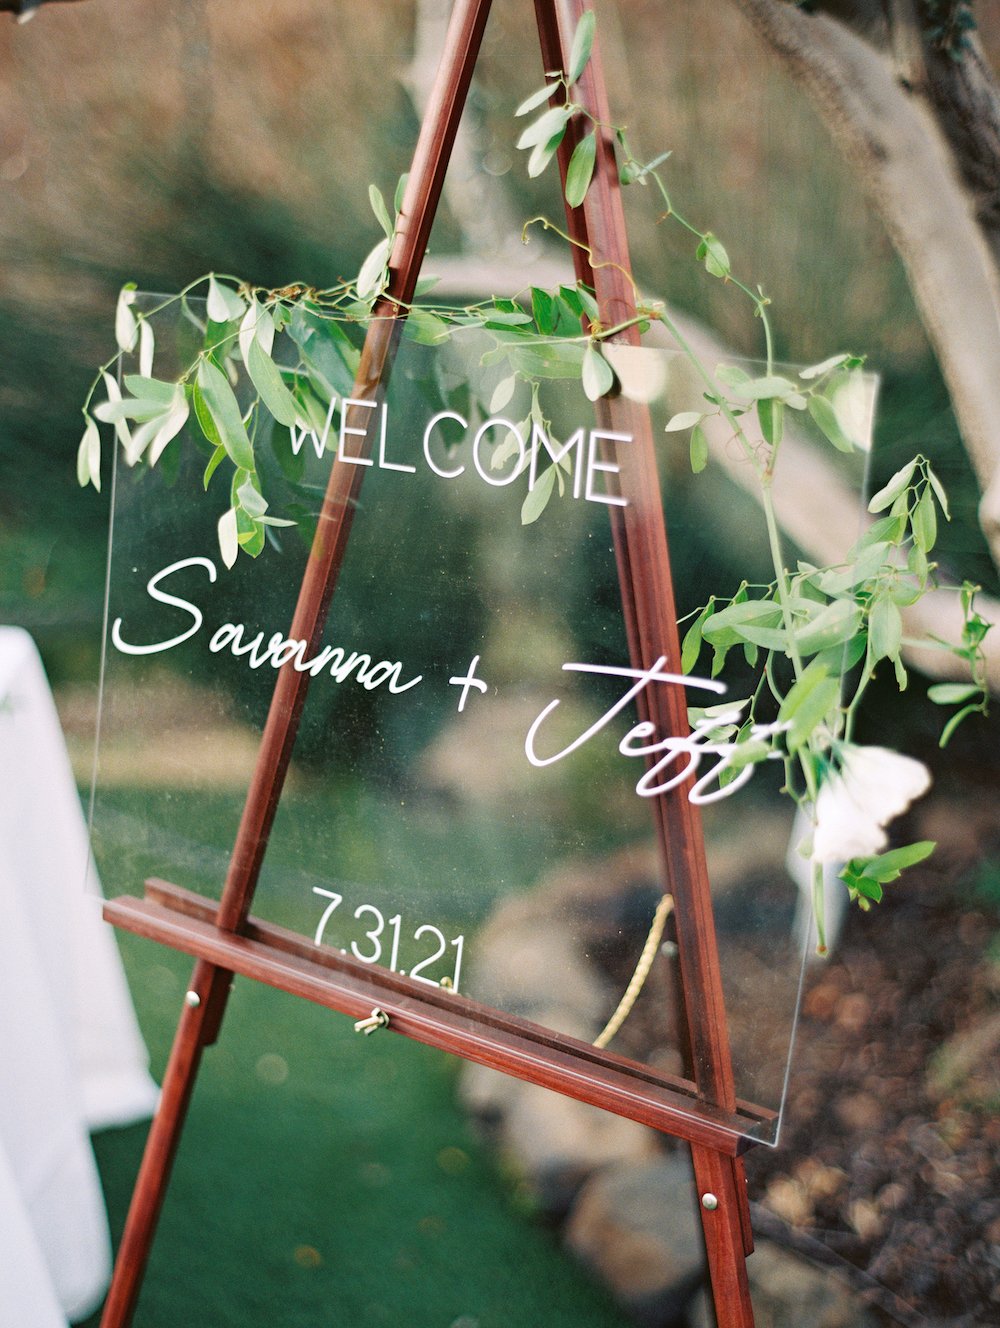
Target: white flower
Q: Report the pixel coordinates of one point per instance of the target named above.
(873, 786)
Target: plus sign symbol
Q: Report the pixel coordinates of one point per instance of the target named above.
(466, 682)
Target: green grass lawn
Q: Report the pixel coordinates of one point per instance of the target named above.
(326, 1178)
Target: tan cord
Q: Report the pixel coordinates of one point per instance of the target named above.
(663, 911)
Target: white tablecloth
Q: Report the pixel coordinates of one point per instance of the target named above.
(71, 1055)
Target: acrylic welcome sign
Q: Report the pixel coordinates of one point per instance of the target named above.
(468, 804)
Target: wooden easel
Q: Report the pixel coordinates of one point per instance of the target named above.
(700, 1109)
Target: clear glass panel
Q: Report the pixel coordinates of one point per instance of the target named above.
(414, 832)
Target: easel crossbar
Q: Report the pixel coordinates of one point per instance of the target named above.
(282, 959)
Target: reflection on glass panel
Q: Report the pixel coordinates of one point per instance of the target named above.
(469, 798)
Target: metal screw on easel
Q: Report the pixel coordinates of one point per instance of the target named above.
(709, 1202)
(377, 1019)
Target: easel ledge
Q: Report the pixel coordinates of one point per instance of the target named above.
(185, 921)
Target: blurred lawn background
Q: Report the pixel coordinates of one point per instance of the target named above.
(155, 141)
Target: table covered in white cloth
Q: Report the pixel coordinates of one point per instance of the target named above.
(71, 1056)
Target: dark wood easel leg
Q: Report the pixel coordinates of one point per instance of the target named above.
(201, 1019)
(195, 1030)
(720, 1186)
(601, 259)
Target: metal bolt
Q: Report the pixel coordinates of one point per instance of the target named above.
(192, 999)
(709, 1202)
(377, 1019)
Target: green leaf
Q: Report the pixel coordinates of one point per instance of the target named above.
(888, 494)
(581, 169)
(506, 318)
(770, 385)
(589, 302)
(842, 657)
(826, 418)
(771, 638)
(543, 154)
(887, 529)
(863, 885)
(686, 419)
(204, 418)
(502, 393)
(824, 366)
(923, 522)
(140, 409)
(597, 375)
(699, 449)
(425, 328)
(732, 376)
(543, 311)
(866, 566)
(225, 412)
(397, 200)
(548, 125)
(916, 561)
(691, 645)
(147, 346)
(88, 457)
(537, 98)
(731, 620)
(938, 488)
(583, 44)
(126, 328)
(887, 866)
(373, 275)
(228, 537)
(952, 693)
(537, 498)
(250, 499)
(953, 723)
(771, 414)
(172, 425)
(748, 753)
(808, 703)
(831, 627)
(251, 535)
(267, 380)
(150, 389)
(712, 253)
(379, 208)
(885, 629)
(257, 325)
(223, 305)
(213, 464)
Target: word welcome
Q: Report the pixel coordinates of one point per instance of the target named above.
(279, 649)
(448, 430)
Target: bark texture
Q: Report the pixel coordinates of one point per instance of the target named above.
(921, 126)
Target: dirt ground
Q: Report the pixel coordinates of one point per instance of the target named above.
(888, 1167)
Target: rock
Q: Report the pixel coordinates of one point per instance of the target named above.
(556, 1142)
(967, 1065)
(788, 1292)
(636, 1227)
(525, 962)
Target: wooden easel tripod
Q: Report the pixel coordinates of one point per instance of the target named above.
(700, 1109)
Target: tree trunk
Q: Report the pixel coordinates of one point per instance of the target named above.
(921, 125)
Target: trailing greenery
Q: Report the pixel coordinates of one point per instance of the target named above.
(802, 633)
